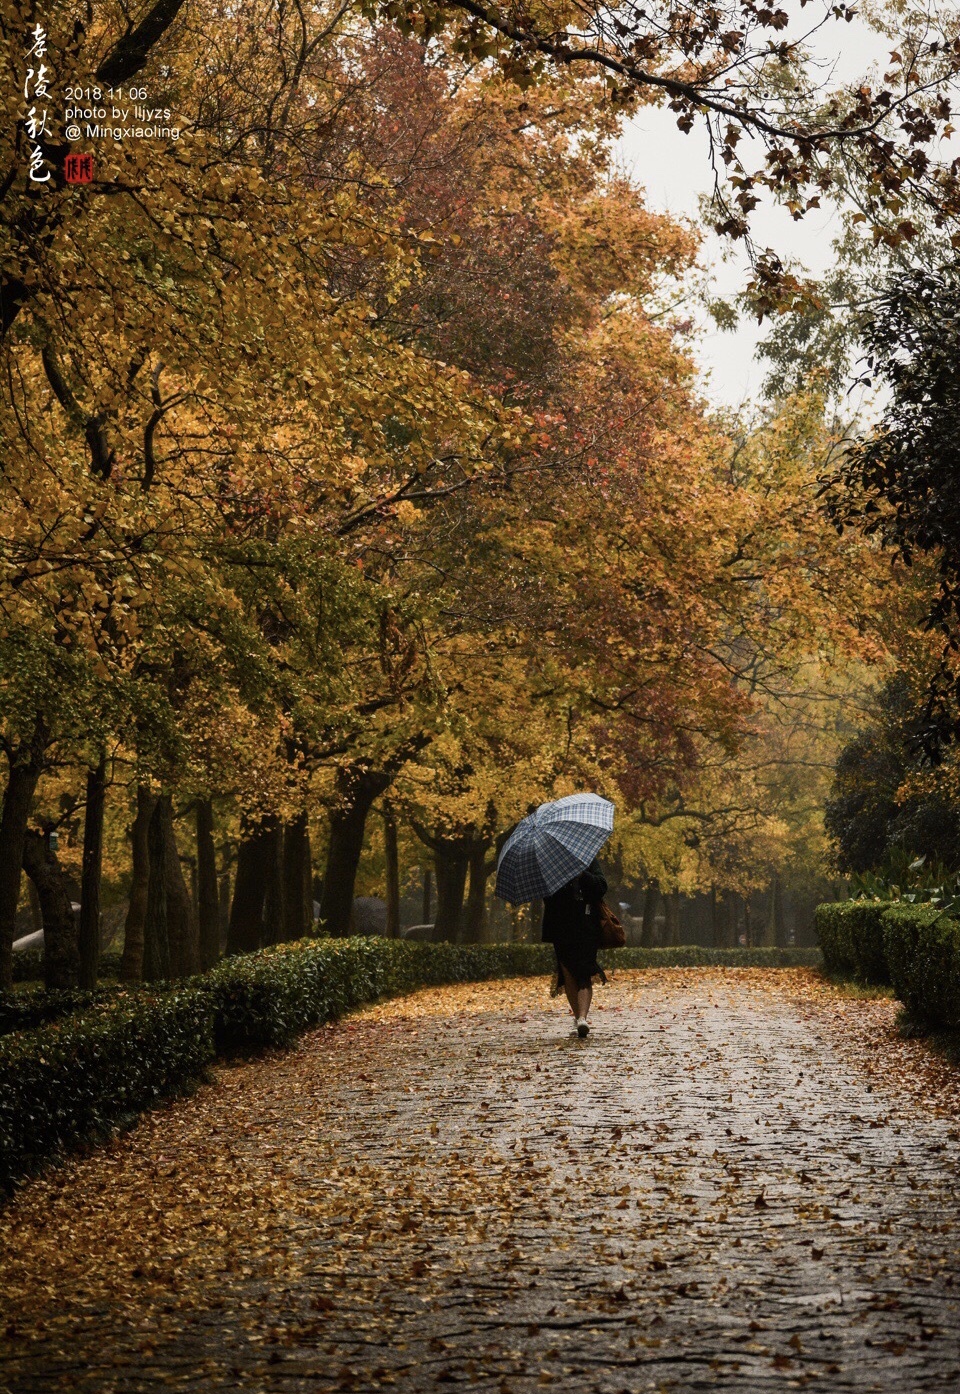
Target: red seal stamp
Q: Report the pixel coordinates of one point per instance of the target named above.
(78, 169)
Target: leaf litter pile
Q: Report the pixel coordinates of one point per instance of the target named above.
(742, 1180)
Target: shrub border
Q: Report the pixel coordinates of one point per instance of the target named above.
(913, 947)
(923, 951)
(69, 1082)
(851, 935)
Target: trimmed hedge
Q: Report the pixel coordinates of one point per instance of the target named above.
(22, 1011)
(69, 1081)
(851, 935)
(915, 948)
(923, 952)
(28, 965)
(268, 998)
(695, 956)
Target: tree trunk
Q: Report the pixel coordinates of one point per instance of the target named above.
(25, 765)
(36, 914)
(156, 933)
(272, 844)
(777, 921)
(476, 911)
(356, 791)
(171, 941)
(61, 953)
(208, 897)
(651, 899)
(452, 854)
(747, 922)
(763, 929)
(427, 896)
(182, 930)
(224, 894)
(392, 855)
(245, 930)
(91, 874)
(806, 933)
(451, 872)
(671, 933)
(131, 967)
(297, 906)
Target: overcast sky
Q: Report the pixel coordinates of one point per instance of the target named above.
(675, 170)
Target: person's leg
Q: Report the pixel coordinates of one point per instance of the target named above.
(570, 988)
(584, 998)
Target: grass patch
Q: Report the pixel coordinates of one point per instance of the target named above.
(853, 987)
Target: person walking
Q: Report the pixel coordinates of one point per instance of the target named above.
(571, 923)
(551, 854)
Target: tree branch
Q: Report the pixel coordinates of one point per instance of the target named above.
(130, 53)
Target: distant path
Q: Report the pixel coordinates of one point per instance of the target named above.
(741, 1181)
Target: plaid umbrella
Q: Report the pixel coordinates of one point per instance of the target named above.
(551, 846)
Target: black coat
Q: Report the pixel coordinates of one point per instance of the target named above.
(571, 923)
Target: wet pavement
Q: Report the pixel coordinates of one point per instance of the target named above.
(739, 1181)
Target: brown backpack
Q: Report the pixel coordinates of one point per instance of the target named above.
(612, 933)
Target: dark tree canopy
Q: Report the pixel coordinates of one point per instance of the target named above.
(913, 339)
(903, 482)
(866, 822)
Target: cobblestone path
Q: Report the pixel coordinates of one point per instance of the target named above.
(740, 1181)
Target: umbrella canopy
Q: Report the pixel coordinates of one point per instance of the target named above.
(551, 846)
